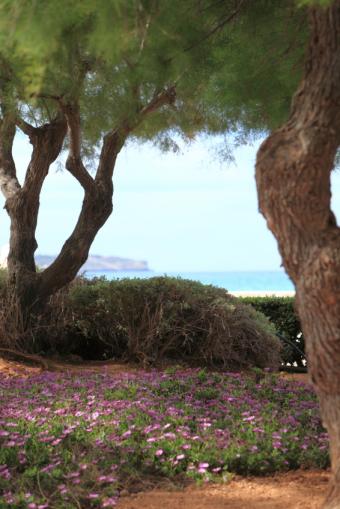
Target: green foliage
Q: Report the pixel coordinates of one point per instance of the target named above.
(157, 319)
(322, 3)
(257, 71)
(281, 312)
(234, 69)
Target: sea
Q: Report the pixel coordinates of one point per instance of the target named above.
(275, 281)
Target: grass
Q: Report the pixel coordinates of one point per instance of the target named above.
(78, 440)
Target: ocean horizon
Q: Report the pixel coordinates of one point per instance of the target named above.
(233, 281)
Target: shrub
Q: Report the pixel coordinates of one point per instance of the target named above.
(149, 320)
(281, 312)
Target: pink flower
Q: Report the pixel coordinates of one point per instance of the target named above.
(109, 502)
(93, 495)
(159, 452)
(203, 465)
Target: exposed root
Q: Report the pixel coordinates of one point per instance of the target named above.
(37, 359)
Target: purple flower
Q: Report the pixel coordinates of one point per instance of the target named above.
(93, 496)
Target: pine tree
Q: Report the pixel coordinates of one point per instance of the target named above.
(86, 76)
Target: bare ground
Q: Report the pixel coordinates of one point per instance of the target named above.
(292, 490)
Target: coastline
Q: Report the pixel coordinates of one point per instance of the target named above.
(240, 284)
(263, 293)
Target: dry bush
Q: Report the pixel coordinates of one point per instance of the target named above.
(150, 321)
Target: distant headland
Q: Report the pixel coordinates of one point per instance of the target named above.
(97, 262)
(94, 262)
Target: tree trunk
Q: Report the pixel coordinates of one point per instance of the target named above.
(23, 208)
(96, 209)
(293, 179)
(29, 290)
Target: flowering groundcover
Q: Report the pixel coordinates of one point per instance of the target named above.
(76, 440)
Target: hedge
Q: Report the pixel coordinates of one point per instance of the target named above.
(157, 320)
(151, 320)
(281, 312)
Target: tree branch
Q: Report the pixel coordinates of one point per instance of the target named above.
(25, 127)
(8, 177)
(114, 141)
(218, 27)
(96, 209)
(46, 96)
(74, 163)
(47, 144)
(76, 167)
(112, 144)
(9, 185)
(166, 96)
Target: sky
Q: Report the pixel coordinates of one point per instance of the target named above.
(186, 212)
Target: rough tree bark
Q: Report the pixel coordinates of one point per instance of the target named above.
(30, 289)
(293, 171)
(22, 205)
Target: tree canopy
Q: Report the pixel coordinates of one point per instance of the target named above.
(230, 64)
(85, 76)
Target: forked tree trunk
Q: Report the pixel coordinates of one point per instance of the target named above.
(293, 179)
(29, 290)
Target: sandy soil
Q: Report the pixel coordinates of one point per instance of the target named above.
(27, 368)
(292, 490)
(16, 368)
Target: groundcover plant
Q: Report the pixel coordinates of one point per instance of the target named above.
(78, 440)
